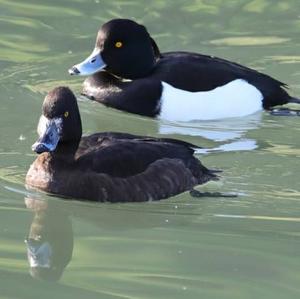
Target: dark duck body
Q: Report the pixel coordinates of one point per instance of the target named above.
(129, 73)
(115, 167)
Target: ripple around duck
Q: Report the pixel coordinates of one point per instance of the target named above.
(23, 9)
(249, 41)
(22, 22)
(182, 247)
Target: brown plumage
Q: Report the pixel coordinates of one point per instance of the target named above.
(115, 167)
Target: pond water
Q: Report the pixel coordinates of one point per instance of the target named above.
(244, 247)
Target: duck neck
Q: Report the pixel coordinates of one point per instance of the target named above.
(65, 151)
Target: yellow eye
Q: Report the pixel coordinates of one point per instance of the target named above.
(66, 114)
(118, 44)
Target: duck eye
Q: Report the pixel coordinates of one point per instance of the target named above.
(118, 44)
(66, 114)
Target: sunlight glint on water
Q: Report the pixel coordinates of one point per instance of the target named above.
(244, 247)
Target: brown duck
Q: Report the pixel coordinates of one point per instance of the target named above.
(108, 166)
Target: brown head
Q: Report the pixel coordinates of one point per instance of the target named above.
(60, 122)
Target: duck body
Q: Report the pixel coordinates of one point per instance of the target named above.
(195, 84)
(115, 167)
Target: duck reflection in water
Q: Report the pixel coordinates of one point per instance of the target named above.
(50, 240)
(227, 134)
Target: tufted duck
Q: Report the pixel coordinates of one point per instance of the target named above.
(129, 73)
(107, 166)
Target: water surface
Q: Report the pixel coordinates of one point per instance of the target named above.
(246, 247)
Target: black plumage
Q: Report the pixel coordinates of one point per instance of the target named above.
(140, 61)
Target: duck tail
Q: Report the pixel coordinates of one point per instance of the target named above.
(285, 111)
(294, 100)
(197, 193)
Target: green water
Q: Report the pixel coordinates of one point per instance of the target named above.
(246, 247)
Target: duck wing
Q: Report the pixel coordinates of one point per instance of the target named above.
(197, 72)
(104, 139)
(124, 155)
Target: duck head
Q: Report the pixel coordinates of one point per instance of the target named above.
(123, 48)
(60, 122)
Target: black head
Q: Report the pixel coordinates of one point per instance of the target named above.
(123, 48)
(60, 122)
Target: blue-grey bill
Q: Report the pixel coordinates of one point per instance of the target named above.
(91, 65)
(49, 134)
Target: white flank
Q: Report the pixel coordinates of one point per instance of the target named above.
(234, 99)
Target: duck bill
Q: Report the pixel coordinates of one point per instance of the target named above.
(49, 131)
(91, 65)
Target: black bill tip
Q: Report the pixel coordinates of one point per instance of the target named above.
(40, 148)
(74, 71)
